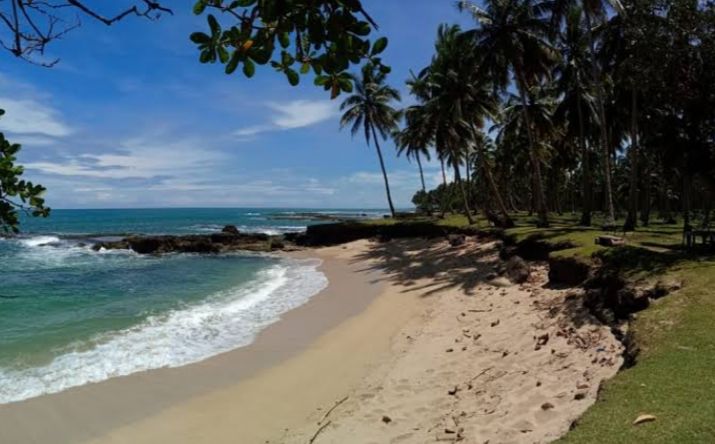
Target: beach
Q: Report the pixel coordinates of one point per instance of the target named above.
(412, 341)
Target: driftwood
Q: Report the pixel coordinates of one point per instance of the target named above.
(317, 432)
(332, 408)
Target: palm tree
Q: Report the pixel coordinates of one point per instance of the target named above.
(369, 108)
(576, 109)
(594, 10)
(415, 138)
(511, 36)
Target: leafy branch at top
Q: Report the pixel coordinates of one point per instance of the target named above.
(16, 194)
(295, 37)
(30, 25)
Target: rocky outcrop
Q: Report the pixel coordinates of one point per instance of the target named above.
(340, 233)
(226, 240)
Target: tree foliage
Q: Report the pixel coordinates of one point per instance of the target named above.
(16, 194)
(294, 37)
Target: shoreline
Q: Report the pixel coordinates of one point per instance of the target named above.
(82, 413)
(433, 350)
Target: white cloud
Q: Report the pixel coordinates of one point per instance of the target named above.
(139, 158)
(28, 116)
(291, 115)
(300, 113)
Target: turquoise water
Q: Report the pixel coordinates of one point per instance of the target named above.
(70, 315)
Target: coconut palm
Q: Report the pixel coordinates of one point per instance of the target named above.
(414, 139)
(576, 109)
(511, 36)
(593, 11)
(369, 109)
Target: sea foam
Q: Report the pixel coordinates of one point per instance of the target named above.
(222, 322)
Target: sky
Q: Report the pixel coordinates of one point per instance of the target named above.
(130, 119)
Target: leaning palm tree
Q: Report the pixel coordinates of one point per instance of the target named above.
(369, 109)
(511, 36)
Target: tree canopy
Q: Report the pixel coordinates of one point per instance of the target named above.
(294, 37)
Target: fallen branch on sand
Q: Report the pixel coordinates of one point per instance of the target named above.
(317, 432)
(332, 408)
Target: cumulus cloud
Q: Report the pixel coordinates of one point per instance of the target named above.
(291, 115)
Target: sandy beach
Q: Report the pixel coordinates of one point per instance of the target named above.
(411, 342)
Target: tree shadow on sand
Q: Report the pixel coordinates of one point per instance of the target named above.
(407, 262)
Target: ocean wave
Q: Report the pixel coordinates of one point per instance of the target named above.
(39, 241)
(223, 322)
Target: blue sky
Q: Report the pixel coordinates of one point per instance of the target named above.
(130, 118)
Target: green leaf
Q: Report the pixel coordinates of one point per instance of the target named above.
(233, 63)
(379, 45)
(222, 54)
(199, 7)
(305, 68)
(249, 68)
(200, 38)
(284, 39)
(293, 77)
(213, 24)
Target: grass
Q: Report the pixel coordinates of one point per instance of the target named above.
(674, 378)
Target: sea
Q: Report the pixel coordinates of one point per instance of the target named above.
(70, 315)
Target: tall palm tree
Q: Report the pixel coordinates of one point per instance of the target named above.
(511, 36)
(369, 109)
(594, 11)
(577, 108)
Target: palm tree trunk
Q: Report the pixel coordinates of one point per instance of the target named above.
(424, 188)
(384, 172)
(631, 218)
(460, 184)
(595, 71)
(585, 171)
(540, 199)
(444, 188)
(422, 174)
(506, 222)
(468, 178)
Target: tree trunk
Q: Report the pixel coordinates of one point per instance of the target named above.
(540, 199)
(686, 202)
(632, 216)
(468, 178)
(585, 171)
(443, 194)
(605, 152)
(506, 221)
(460, 184)
(424, 188)
(384, 172)
(645, 199)
(422, 174)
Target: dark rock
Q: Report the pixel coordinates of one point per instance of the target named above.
(456, 240)
(277, 244)
(517, 270)
(230, 229)
(340, 233)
